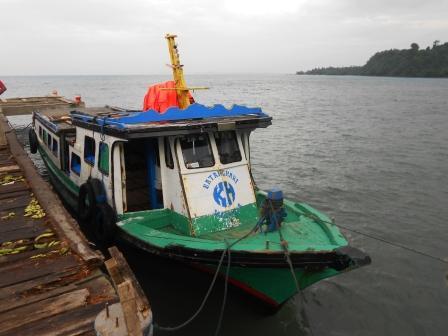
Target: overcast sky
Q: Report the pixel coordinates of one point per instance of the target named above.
(46, 37)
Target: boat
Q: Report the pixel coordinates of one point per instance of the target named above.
(175, 179)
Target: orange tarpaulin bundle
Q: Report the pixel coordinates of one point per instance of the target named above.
(2, 87)
(161, 100)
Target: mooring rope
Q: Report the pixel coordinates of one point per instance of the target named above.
(398, 245)
(204, 300)
(284, 245)
(18, 127)
(212, 284)
(226, 283)
(312, 216)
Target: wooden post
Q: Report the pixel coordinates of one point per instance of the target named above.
(3, 141)
(133, 300)
(129, 306)
(122, 273)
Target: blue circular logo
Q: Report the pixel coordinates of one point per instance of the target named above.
(224, 194)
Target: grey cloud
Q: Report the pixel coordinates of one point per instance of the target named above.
(116, 37)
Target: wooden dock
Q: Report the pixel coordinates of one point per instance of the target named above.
(51, 282)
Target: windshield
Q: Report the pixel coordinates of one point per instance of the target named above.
(227, 147)
(196, 151)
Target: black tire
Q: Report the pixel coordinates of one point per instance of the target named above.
(32, 137)
(104, 224)
(86, 202)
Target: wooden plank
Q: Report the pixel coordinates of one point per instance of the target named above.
(100, 288)
(3, 131)
(78, 321)
(114, 272)
(42, 309)
(22, 233)
(5, 156)
(87, 333)
(60, 262)
(16, 186)
(9, 169)
(14, 258)
(19, 222)
(39, 282)
(14, 301)
(19, 193)
(129, 305)
(35, 268)
(10, 204)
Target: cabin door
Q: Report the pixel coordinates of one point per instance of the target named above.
(65, 160)
(142, 175)
(153, 173)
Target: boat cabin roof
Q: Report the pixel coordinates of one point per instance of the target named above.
(124, 123)
(195, 118)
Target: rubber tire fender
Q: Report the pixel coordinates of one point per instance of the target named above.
(98, 190)
(86, 201)
(104, 224)
(32, 137)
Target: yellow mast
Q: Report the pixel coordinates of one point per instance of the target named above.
(178, 74)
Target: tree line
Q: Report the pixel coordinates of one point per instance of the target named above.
(412, 62)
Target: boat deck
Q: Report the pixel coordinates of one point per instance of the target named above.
(60, 120)
(25, 105)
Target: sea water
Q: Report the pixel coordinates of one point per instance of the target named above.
(370, 152)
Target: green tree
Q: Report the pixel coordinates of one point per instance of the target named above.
(413, 62)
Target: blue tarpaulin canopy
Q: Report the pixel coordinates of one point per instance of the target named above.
(194, 111)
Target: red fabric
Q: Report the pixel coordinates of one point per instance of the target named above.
(161, 100)
(2, 87)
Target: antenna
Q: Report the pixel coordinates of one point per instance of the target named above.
(178, 74)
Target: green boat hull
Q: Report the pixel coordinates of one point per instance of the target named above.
(273, 286)
(67, 190)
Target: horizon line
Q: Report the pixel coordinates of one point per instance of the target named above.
(153, 74)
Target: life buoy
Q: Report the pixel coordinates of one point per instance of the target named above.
(86, 201)
(104, 224)
(32, 137)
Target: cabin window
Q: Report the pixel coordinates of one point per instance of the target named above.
(103, 158)
(228, 148)
(89, 150)
(75, 164)
(168, 155)
(196, 151)
(49, 141)
(54, 147)
(40, 132)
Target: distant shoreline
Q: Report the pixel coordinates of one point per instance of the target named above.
(375, 76)
(413, 62)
